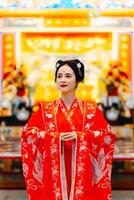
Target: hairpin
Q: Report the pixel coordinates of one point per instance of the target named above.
(79, 66)
(57, 65)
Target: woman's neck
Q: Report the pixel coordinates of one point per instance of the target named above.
(68, 99)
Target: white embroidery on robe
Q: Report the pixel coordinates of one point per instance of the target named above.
(28, 196)
(87, 126)
(38, 168)
(98, 166)
(109, 196)
(106, 183)
(31, 184)
(107, 139)
(49, 116)
(25, 169)
(89, 116)
(33, 131)
(32, 135)
(51, 126)
(25, 153)
(97, 133)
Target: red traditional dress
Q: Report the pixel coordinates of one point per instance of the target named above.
(71, 170)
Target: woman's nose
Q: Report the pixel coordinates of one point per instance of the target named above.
(63, 79)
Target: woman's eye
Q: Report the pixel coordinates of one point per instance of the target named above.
(59, 76)
(68, 76)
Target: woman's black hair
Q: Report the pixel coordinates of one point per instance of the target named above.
(76, 65)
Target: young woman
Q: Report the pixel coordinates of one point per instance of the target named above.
(67, 145)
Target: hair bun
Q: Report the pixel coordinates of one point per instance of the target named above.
(80, 67)
(59, 63)
(77, 60)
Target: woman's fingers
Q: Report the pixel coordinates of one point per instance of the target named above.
(73, 138)
(68, 136)
(65, 136)
(67, 133)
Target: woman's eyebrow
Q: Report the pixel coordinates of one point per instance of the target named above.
(68, 73)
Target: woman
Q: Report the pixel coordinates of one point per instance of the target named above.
(67, 145)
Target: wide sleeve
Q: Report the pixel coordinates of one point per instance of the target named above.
(102, 149)
(32, 152)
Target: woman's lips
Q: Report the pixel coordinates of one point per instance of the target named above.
(63, 85)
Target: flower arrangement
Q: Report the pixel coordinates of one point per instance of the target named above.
(117, 82)
(14, 81)
(118, 89)
(15, 94)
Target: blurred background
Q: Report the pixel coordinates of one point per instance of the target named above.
(35, 34)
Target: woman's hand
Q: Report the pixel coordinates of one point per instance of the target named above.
(65, 136)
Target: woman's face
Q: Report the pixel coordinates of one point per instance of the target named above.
(66, 79)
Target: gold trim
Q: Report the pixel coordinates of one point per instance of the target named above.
(45, 13)
(118, 12)
(43, 116)
(63, 171)
(73, 168)
(54, 13)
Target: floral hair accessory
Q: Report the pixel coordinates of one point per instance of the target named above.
(57, 65)
(79, 66)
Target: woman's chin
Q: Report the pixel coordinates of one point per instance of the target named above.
(64, 89)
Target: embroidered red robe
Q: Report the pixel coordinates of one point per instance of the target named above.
(71, 170)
